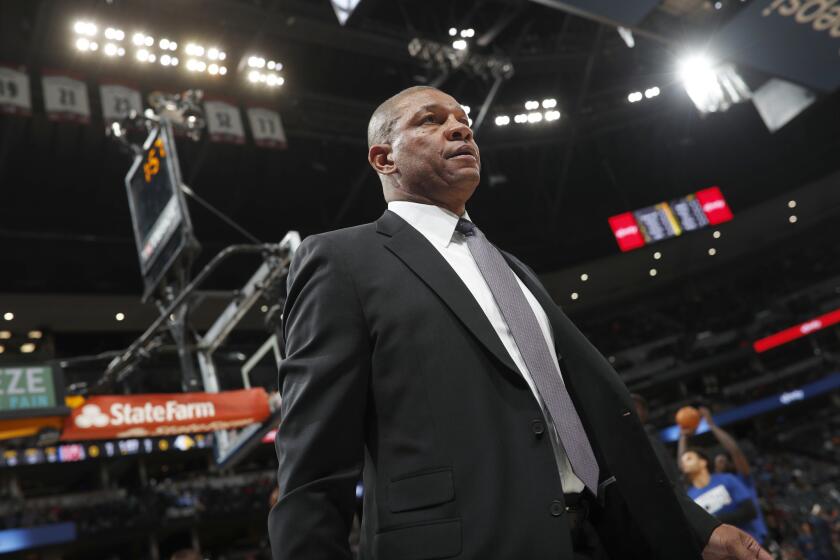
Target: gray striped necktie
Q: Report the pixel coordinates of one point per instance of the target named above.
(535, 352)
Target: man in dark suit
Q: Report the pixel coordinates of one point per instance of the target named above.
(486, 427)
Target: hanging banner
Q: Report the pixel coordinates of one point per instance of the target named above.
(118, 101)
(267, 128)
(625, 12)
(223, 122)
(795, 39)
(132, 416)
(65, 98)
(14, 91)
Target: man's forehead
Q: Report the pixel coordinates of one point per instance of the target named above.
(426, 98)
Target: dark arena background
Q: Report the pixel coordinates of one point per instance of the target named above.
(670, 169)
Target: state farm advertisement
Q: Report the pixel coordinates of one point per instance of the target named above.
(130, 416)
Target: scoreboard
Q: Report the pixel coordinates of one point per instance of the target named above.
(670, 219)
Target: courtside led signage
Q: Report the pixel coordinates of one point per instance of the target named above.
(798, 331)
(648, 225)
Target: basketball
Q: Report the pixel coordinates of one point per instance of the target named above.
(688, 417)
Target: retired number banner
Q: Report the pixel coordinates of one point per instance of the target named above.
(267, 128)
(223, 122)
(14, 91)
(66, 98)
(118, 101)
(132, 416)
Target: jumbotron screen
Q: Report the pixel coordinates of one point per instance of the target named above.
(670, 219)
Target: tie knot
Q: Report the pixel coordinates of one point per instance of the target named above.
(465, 227)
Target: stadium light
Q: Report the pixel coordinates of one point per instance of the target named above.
(635, 97)
(535, 117)
(550, 103)
(459, 45)
(27, 347)
(716, 234)
(262, 71)
(652, 272)
(2, 348)
(711, 86)
(712, 251)
(9, 316)
(584, 277)
(520, 118)
(502, 120)
(792, 218)
(5, 335)
(82, 27)
(35, 335)
(651, 92)
(791, 204)
(575, 295)
(657, 255)
(552, 115)
(452, 31)
(119, 316)
(531, 105)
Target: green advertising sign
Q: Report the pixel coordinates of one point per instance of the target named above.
(27, 387)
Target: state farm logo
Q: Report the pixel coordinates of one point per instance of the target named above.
(625, 231)
(714, 205)
(92, 417)
(823, 15)
(125, 414)
(811, 326)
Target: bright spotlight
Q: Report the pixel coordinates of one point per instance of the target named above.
(502, 120)
(575, 295)
(470, 32)
(82, 43)
(110, 49)
(200, 65)
(634, 97)
(142, 55)
(148, 40)
(119, 316)
(80, 27)
(712, 251)
(584, 277)
(712, 87)
(459, 45)
(531, 105)
(549, 103)
(271, 80)
(534, 117)
(253, 76)
(792, 219)
(165, 60)
(222, 70)
(138, 39)
(8, 315)
(222, 55)
(652, 272)
(270, 65)
(93, 45)
(552, 115)
(520, 118)
(27, 348)
(213, 53)
(452, 31)
(152, 57)
(120, 51)
(213, 69)
(651, 92)
(791, 204)
(164, 44)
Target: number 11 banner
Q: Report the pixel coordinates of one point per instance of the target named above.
(267, 128)
(65, 98)
(118, 101)
(14, 91)
(223, 122)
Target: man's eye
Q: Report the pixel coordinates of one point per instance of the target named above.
(429, 118)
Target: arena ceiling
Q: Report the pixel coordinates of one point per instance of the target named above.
(546, 191)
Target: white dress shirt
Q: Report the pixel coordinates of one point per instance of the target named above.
(437, 225)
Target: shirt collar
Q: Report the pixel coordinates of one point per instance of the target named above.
(435, 223)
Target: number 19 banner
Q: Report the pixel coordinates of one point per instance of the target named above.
(267, 128)
(65, 98)
(14, 91)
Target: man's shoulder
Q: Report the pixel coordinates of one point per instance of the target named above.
(344, 238)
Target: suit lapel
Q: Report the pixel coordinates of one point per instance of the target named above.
(424, 260)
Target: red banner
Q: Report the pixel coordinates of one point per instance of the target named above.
(792, 333)
(714, 205)
(130, 416)
(626, 231)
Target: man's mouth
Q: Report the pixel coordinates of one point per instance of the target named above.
(463, 152)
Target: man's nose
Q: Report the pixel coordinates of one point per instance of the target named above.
(456, 130)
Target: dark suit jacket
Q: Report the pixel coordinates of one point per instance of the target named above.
(393, 369)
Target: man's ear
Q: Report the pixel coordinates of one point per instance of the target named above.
(381, 158)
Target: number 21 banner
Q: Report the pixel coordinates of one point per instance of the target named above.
(65, 98)
(223, 122)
